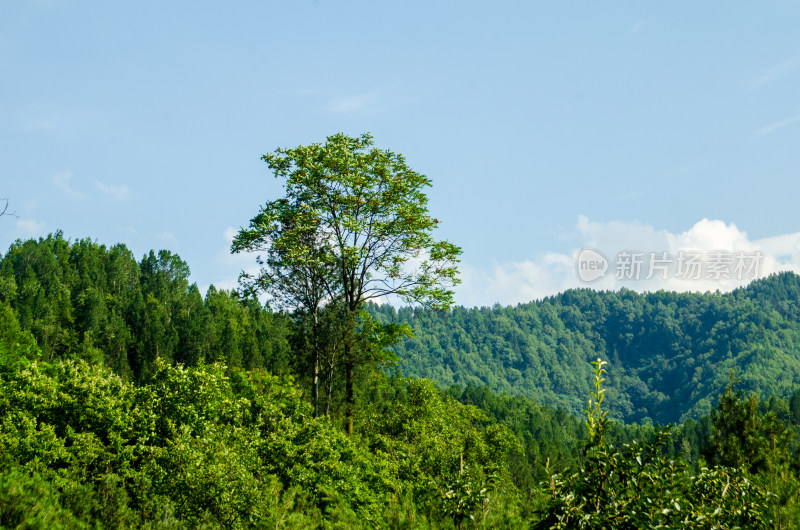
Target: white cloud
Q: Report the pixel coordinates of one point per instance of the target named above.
(518, 282)
(356, 103)
(230, 233)
(515, 282)
(52, 119)
(34, 125)
(167, 237)
(61, 181)
(236, 263)
(776, 126)
(27, 228)
(118, 192)
(638, 27)
(775, 72)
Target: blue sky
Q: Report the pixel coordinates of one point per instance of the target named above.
(545, 127)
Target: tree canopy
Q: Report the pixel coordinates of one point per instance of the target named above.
(353, 224)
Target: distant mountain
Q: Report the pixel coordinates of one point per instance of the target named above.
(670, 354)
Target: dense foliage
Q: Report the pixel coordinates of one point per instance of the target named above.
(641, 487)
(129, 400)
(193, 447)
(81, 300)
(670, 354)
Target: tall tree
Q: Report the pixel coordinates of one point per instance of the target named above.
(370, 210)
(297, 271)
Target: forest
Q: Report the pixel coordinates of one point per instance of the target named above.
(129, 399)
(671, 354)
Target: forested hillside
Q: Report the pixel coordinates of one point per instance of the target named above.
(670, 354)
(81, 300)
(128, 400)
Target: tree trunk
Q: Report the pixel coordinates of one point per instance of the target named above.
(348, 347)
(350, 396)
(328, 393)
(315, 387)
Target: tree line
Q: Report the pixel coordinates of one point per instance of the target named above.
(82, 300)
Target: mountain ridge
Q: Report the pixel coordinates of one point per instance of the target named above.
(670, 354)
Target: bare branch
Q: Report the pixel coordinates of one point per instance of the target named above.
(4, 210)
